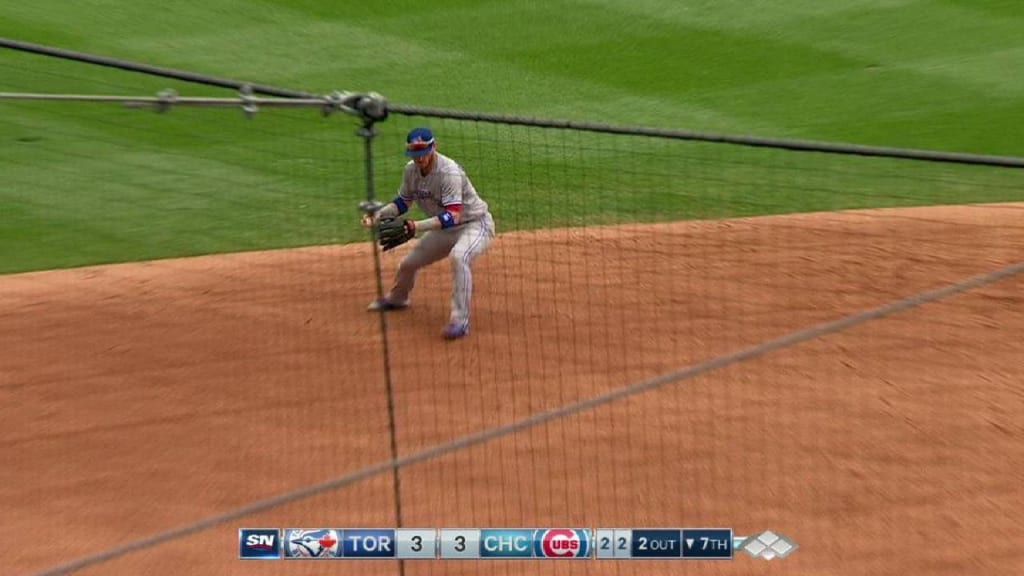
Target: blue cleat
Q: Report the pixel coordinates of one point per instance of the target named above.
(456, 330)
(386, 305)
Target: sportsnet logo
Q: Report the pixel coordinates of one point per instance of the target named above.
(262, 543)
(316, 543)
(562, 543)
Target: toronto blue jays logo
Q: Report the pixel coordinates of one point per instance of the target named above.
(321, 543)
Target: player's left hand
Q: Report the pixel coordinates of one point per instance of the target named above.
(393, 232)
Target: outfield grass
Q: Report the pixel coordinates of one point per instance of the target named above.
(89, 183)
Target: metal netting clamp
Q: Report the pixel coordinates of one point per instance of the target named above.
(166, 99)
(370, 107)
(248, 105)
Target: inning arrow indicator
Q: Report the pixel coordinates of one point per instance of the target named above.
(689, 542)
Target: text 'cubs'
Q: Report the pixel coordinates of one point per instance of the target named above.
(562, 543)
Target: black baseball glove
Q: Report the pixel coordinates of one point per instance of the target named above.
(393, 232)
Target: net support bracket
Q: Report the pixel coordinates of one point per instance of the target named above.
(370, 108)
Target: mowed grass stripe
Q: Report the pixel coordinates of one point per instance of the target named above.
(187, 190)
(891, 61)
(739, 14)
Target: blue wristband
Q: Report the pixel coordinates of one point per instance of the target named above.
(402, 206)
(447, 219)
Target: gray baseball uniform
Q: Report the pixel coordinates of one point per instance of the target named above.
(447, 185)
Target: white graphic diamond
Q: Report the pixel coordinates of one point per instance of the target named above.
(782, 547)
(754, 548)
(767, 537)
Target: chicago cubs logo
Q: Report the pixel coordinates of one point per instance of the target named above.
(321, 543)
(562, 543)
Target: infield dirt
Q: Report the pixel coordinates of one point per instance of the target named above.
(138, 398)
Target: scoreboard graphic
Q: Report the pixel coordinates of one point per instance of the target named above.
(509, 543)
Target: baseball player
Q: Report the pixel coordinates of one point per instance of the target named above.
(459, 226)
